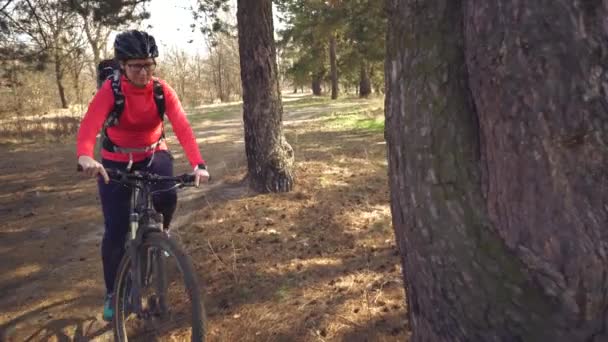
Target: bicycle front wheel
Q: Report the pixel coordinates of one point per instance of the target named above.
(171, 303)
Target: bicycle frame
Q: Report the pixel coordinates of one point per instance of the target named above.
(142, 219)
(141, 211)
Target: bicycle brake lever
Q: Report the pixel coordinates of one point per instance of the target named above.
(187, 178)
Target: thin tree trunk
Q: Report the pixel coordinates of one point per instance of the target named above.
(182, 85)
(269, 156)
(497, 167)
(334, 66)
(93, 39)
(76, 72)
(317, 80)
(223, 97)
(14, 81)
(365, 86)
(59, 79)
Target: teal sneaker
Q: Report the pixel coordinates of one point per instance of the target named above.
(108, 311)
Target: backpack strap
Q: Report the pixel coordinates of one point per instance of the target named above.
(113, 118)
(105, 70)
(119, 101)
(159, 98)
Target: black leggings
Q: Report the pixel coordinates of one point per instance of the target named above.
(116, 202)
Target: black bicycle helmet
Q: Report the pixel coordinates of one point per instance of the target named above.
(134, 45)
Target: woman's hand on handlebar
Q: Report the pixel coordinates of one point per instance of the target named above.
(200, 176)
(92, 168)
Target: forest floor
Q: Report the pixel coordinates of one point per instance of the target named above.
(316, 264)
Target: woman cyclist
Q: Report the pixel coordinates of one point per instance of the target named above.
(134, 141)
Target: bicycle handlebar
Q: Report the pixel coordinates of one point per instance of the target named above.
(146, 177)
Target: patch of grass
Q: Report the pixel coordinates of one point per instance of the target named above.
(283, 292)
(214, 113)
(381, 226)
(375, 125)
(372, 121)
(305, 102)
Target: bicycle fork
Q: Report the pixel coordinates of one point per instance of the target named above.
(141, 271)
(136, 281)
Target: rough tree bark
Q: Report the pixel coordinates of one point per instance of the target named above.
(333, 62)
(497, 166)
(269, 156)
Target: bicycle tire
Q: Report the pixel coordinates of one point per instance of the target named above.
(162, 241)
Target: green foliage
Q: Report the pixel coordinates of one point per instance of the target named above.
(209, 18)
(111, 12)
(359, 26)
(304, 42)
(365, 29)
(31, 31)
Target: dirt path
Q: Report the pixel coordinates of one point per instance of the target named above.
(52, 228)
(51, 285)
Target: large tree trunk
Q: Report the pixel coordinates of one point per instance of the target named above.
(269, 156)
(498, 167)
(333, 62)
(365, 85)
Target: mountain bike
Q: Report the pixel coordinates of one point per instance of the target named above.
(143, 286)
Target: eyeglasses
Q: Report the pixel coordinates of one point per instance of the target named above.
(137, 67)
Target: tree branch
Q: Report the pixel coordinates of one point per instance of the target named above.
(5, 6)
(40, 30)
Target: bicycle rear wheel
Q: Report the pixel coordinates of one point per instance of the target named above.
(171, 300)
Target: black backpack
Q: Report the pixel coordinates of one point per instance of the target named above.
(109, 69)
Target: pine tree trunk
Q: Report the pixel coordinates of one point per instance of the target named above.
(497, 167)
(333, 61)
(269, 157)
(365, 86)
(317, 80)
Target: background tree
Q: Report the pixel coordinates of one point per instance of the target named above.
(269, 156)
(307, 68)
(99, 18)
(304, 47)
(314, 30)
(497, 167)
(224, 66)
(11, 48)
(177, 70)
(41, 34)
(364, 47)
(355, 31)
(51, 26)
